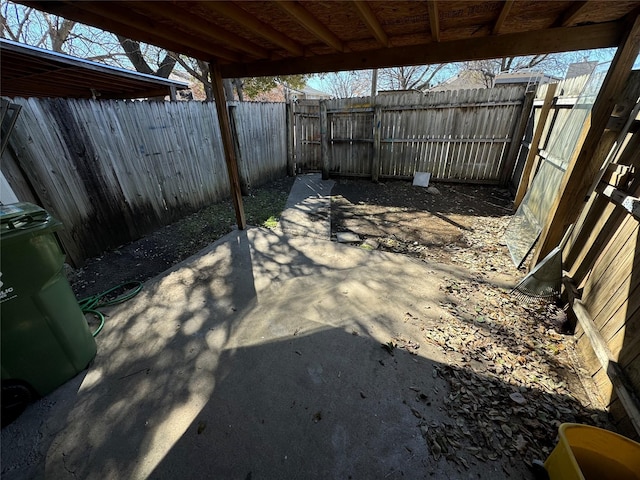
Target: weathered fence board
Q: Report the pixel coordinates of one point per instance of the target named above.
(263, 140)
(113, 170)
(567, 93)
(307, 135)
(455, 135)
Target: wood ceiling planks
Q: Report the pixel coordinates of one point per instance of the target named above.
(265, 38)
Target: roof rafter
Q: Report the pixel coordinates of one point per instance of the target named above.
(257, 27)
(379, 40)
(311, 24)
(552, 40)
(570, 14)
(434, 21)
(201, 27)
(504, 13)
(130, 25)
(371, 21)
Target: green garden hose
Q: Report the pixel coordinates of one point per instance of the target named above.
(91, 304)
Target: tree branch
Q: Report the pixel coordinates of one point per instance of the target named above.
(132, 50)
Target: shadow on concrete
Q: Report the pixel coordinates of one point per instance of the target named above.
(262, 358)
(453, 199)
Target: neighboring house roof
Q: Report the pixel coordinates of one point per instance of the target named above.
(466, 79)
(579, 69)
(312, 93)
(525, 77)
(27, 71)
(277, 94)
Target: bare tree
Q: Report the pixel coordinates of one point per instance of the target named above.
(32, 27)
(415, 77)
(141, 62)
(198, 70)
(26, 25)
(40, 29)
(552, 64)
(348, 84)
(236, 87)
(13, 24)
(59, 30)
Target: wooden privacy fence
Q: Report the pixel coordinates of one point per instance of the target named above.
(552, 106)
(546, 154)
(463, 135)
(114, 170)
(601, 258)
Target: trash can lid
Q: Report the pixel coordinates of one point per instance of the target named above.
(17, 219)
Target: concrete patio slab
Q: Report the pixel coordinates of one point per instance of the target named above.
(259, 358)
(308, 207)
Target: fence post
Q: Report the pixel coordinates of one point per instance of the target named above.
(324, 139)
(291, 170)
(516, 138)
(375, 159)
(242, 173)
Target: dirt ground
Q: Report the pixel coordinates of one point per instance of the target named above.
(147, 257)
(491, 338)
(455, 224)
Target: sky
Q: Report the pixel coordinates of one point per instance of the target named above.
(602, 56)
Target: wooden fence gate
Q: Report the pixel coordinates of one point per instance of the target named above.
(463, 135)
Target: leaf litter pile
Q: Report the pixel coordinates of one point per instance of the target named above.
(512, 378)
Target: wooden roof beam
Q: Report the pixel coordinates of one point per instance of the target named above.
(522, 43)
(434, 21)
(371, 21)
(504, 13)
(201, 27)
(144, 29)
(570, 14)
(311, 24)
(257, 27)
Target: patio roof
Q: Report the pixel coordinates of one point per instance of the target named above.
(28, 71)
(255, 38)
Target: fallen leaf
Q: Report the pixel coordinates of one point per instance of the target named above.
(518, 398)
(201, 426)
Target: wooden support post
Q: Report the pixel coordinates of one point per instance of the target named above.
(609, 364)
(324, 139)
(622, 199)
(242, 173)
(582, 173)
(535, 141)
(291, 166)
(374, 84)
(434, 21)
(377, 137)
(172, 93)
(227, 143)
(516, 138)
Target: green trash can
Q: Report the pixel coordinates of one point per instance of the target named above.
(44, 335)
